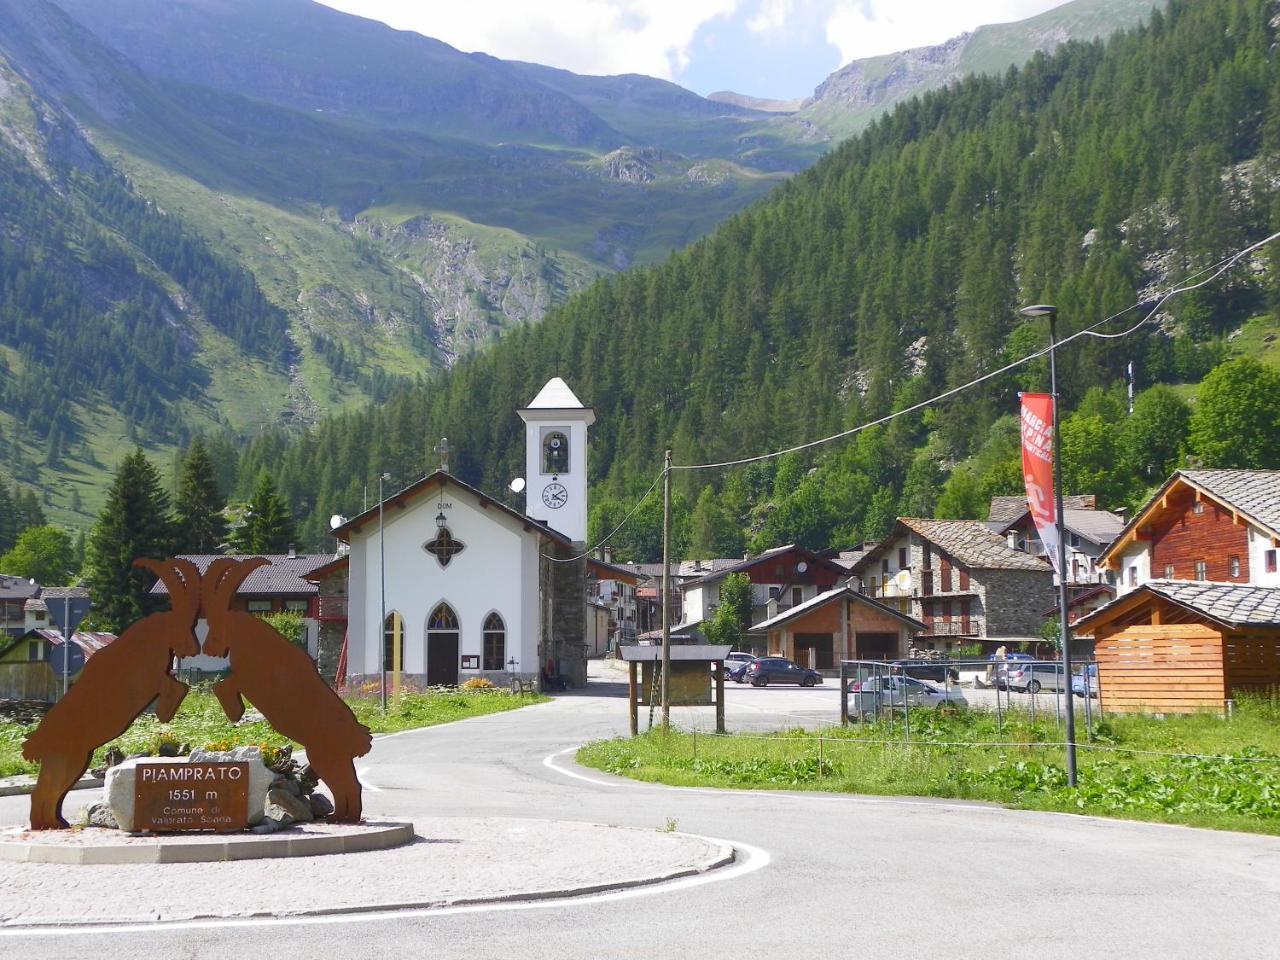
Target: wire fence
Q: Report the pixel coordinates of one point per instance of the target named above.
(872, 689)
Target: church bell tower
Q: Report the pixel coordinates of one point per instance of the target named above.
(556, 459)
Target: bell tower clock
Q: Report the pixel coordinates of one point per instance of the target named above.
(556, 459)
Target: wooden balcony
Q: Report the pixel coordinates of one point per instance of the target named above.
(330, 608)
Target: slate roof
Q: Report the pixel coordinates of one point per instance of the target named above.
(283, 576)
(1099, 526)
(973, 544)
(17, 588)
(54, 593)
(1005, 510)
(1231, 604)
(1255, 492)
(821, 600)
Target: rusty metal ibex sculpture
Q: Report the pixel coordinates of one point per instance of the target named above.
(117, 684)
(281, 680)
(124, 678)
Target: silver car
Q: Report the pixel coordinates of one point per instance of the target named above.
(1034, 677)
(867, 697)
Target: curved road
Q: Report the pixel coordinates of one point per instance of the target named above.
(830, 876)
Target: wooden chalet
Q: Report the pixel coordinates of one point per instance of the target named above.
(1177, 646)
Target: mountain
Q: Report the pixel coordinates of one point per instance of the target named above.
(380, 202)
(888, 272)
(860, 91)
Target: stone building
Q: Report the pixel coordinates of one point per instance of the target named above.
(961, 580)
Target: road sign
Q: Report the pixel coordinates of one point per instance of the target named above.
(67, 612)
(67, 658)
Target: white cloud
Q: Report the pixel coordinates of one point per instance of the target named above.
(770, 15)
(868, 28)
(585, 36)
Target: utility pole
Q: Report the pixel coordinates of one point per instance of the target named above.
(382, 574)
(666, 592)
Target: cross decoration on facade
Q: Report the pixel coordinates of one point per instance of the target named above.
(444, 547)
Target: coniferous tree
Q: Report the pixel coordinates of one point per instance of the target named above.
(8, 520)
(200, 525)
(268, 525)
(134, 523)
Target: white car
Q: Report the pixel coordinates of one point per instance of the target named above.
(867, 697)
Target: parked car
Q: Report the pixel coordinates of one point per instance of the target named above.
(1090, 675)
(768, 670)
(938, 670)
(736, 670)
(1034, 677)
(867, 697)
(999, 668)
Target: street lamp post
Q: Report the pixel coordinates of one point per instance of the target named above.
(1046, 310)
(382, 575)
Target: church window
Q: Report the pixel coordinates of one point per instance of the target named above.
(555, 453)
(495, 642)
(444, 546)
(443, 618)
(392, 637)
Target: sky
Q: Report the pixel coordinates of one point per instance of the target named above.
(780, 49)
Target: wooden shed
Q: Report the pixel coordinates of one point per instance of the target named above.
(1179, 646)
(841, 624)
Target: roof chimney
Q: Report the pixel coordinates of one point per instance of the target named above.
(293, 552)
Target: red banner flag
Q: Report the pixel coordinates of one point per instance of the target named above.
(1037, 468)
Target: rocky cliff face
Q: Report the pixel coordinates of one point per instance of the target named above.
(869, 84)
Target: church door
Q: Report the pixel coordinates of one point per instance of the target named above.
(442, 647)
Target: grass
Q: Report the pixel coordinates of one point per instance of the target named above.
(200, 723)
(1018, 762)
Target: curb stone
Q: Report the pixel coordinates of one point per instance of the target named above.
(17, 786)
(723, 854)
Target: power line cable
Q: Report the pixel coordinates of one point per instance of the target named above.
(1216, 269)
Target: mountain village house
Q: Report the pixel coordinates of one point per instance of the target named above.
(1198, 615)
(961, 580)
(781, 578)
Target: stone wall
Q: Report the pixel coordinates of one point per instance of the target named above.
(1015, 601)
(564, 623)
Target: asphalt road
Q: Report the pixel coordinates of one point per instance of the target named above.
(821, 875)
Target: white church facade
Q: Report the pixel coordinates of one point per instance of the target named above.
(446, 583)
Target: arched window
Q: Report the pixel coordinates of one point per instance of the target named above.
(392, 637)
(495, 642)
(555, 453)
(443, 618)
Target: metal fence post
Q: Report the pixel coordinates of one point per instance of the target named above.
(844, 693)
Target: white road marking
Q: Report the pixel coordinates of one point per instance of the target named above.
(748, 860)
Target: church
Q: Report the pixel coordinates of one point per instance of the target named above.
(446, 583)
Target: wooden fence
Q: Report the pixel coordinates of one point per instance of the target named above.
(32, 680)
(1252, 662)
(1178, 668)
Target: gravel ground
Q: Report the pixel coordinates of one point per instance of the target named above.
(453, 860)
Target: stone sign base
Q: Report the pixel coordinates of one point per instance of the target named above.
(115, 847)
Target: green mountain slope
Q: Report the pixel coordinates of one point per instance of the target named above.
(858, 92)
(370, 233)
(888, 272)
